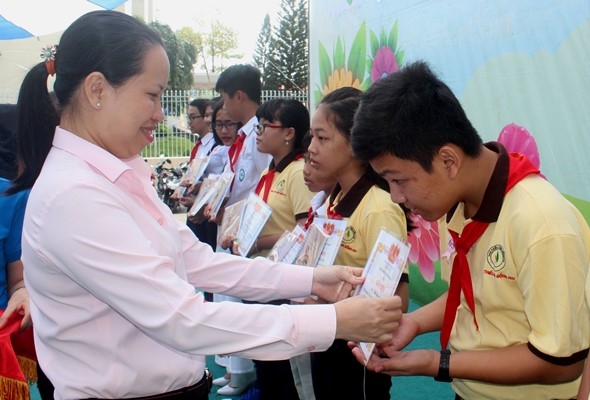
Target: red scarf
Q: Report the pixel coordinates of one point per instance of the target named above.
(194, 150)
(266, 183)
(310, 217)
(331, 211)
(267, 179)
(235, 150)
(520, 167)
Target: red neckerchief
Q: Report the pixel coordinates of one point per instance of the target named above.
(194, 150)
(267, 179)
(235, 149)
(332, 213)
(310, 217)
(519, 168)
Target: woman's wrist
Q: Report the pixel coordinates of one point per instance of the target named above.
(16, 287)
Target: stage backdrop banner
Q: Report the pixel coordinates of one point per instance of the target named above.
(520, 69)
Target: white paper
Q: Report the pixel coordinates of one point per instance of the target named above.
(254, 216)
(335, 229)
(382, 272)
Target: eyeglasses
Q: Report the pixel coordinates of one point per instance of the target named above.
(261, 127)
(191, 118)
(227, 124)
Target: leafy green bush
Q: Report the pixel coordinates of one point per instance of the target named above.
(169, 146)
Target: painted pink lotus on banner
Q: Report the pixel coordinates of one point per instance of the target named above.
(387, 57)
(518, 139)
(425, 246)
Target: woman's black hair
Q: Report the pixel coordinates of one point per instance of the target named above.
(289, 112)
(109, 42)
(8, 167)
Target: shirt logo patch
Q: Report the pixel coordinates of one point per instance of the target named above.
(496, 257)
(349, 235)
(281, 185)
(241, 174)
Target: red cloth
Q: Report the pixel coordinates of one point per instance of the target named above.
(310, 218)
(520, 167)
(9, 366)
(235, 150)
(333, 214)
(266, 183)
(194, 150)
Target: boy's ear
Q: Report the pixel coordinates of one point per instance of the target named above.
(451, 160)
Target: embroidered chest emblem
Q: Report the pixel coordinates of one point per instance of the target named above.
(349, 235)
(496, 257)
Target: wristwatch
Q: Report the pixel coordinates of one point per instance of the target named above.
(443, 367)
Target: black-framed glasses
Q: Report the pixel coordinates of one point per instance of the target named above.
(227, 124)
(261, 127)
(191, 118)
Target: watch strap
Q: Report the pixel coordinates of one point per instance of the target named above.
(443, 367)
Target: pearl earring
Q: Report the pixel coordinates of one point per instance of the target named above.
(286, 142)
(98, 104)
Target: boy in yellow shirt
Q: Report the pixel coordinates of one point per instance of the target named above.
(514, 315)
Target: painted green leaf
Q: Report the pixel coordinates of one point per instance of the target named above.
(366, 84)
(399, 57)
(383, 38)
(374, 43)
(339, 54)
(325, 64)
(358, 53)
(392, 39)
(349, 2)
(317, 95)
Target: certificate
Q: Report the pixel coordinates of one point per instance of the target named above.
(335, 229)
(382, 272)
(255, 213)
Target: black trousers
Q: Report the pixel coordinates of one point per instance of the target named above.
(44, 385)
(338, 375)
(274, 380)
(198, 391)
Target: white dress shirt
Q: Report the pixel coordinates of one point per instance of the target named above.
(249, 166)
(108, 268)
(207, 142)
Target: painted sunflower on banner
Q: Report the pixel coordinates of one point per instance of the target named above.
(342, 70)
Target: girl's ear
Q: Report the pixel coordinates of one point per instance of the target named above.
(290, 135)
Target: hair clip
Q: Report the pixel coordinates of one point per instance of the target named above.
(48, 55)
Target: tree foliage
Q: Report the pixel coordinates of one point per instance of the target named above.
(182, 55)
(219, 43)
(286, 62)
(264, 54)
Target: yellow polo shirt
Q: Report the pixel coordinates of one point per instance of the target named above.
(289, 198)
(528, 272)
(374, 212)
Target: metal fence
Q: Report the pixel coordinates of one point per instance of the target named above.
(173, 137)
